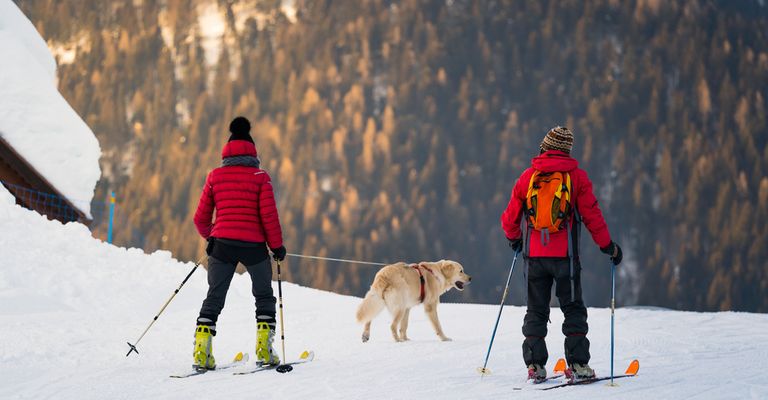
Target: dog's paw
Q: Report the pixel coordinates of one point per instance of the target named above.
(446, 339)
(365, 337)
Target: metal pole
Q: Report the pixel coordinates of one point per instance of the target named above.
(133, 346)
(281, 368)
(111, 216)
(613, 310)
(484, 370)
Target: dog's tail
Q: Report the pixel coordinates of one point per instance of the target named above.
(371, 306)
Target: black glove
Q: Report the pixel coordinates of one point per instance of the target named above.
(209, 247)
(278, 254)
(614, 251)
(516, 244)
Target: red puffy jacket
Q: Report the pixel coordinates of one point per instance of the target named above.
(583, 199)
(243, 199)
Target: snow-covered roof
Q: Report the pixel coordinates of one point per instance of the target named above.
(36, 120)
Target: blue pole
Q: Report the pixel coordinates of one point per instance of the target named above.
(111, 216)
(483, 369)
(613, 309)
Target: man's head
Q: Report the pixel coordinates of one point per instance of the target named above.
(240, 128)
(558, 138)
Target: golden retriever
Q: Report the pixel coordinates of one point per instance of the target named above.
(399, 287)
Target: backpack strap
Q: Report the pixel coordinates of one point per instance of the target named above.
(570, 259)
(572, 247)
(530, 212)
(526, 252)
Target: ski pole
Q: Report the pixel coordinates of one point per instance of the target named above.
(285, 367)
(133, 346)
(484, 370)
(613, 309)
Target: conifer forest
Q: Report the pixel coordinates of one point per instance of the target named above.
(395, 130)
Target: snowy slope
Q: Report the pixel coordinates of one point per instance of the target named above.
(35, 119)
(68, 304)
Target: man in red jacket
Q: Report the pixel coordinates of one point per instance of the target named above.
(246, 224)
(554, 257)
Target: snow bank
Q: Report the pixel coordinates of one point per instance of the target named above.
(36, 120)
(68, 304)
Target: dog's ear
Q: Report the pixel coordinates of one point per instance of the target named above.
(448, 268)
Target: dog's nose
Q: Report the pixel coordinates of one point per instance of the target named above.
(470, 279)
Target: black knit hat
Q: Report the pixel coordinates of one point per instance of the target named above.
(558, 138)
(240, 129)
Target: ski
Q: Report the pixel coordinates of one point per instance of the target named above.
(634, 366)
(305, 357)
(240, 359)
(586, 381)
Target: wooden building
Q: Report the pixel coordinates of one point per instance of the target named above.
(31, 189)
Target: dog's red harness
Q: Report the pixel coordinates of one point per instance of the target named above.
(422, 281)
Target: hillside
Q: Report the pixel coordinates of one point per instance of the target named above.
(68, 304)
(394, 130)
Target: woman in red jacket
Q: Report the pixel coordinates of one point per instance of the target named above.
(246, 224)
(549, 258)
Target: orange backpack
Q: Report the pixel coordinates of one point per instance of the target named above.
(548, 202)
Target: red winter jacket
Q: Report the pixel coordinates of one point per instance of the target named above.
(583, 198)
(243, 199)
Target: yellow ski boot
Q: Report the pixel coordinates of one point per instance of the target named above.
(204, 348)
(265, 354)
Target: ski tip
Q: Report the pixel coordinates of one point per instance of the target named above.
(634, 366)
(307, 355)
(483, 371)
(560, 366)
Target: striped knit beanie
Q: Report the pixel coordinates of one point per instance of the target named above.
(558, 138)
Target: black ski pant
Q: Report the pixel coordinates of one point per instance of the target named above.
(222, 262)
(542, 272)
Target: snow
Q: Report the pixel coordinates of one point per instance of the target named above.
(212, 29)
(36, 120)
(69, 303)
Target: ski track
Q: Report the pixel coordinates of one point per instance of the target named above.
(68, 304)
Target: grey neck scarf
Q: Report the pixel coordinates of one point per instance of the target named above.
(245, 161)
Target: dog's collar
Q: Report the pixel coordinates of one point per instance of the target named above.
(422, 281)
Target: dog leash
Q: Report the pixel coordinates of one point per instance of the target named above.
(336, 259)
